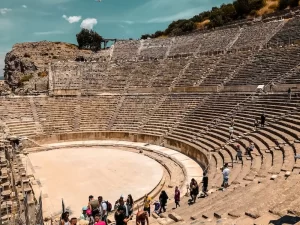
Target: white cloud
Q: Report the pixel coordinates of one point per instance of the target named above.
(128, 21)
(4, 10)
(49, 32)
(24, 6)
(89, 23)
(72, 19)
(181, 15)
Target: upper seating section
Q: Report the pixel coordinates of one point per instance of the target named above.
(268, 64)
(256, 35)
(228, 56)
(67, 75)
(155, 48)
(126, 50)
(289, 33)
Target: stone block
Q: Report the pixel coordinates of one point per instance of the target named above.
(174, 216)
(155, 216)
(165, 221)
(273, 177)
(217, 215)
(163, 215)
(287, 173)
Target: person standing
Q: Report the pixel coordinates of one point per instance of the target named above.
(142, 218)
(93, 206)
(262, 120)
(73, 221)
(147, 203)
(225, 172)
(102, 209)
(163, 198)
(65, 219)
(290, 94)
(205, 184)
(177, 196)
(120, 216)
(129, 204)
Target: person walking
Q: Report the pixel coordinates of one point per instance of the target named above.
(225, 172)
(120, 216)
(194, 189)
(262, 120)
(239, 154)
(177, 196)
(163, 198)
(142, 218)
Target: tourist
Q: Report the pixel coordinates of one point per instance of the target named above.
(255, 124)
(290, 94)
(98, 221)
(262, 120)
(147, 203)
(231, 128)
(102, 209)
(73, 221)
(65, 219)
(232, 122)
(120, 216)
(177, 196)
(142, 218)
(84, 215)
(205, 184)
(129, 204)
(239, 154)
(93, 205)
(194, 189)
(157, 207)
(163, 199)
(225, 172)
(250, 148)
(271, 86)
(122, 205)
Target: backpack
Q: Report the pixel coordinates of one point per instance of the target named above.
(109, 206)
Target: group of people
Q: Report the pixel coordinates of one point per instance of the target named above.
(194, 188)
(94, 213)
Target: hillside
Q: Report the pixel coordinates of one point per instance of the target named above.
(224, 15)
(27, 65)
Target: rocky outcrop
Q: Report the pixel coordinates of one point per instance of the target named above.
(27, 65)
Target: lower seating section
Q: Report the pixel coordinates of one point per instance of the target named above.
(170, 112)
(56, 115)
(17, 115)
(135, 108)
(96, 112)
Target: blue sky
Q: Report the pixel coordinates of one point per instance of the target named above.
(60, 20)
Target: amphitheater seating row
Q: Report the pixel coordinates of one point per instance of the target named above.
(230, 69)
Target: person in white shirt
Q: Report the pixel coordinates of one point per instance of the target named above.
(225, 172)
(103, 209)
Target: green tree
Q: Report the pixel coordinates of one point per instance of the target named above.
(283, 4)
(89, 39)
(293, 3)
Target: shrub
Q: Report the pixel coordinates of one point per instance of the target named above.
(26, 55)
(43, 74)
(283, 4)
(89, 39)
(25, 78)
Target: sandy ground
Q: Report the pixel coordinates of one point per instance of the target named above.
(75, 173)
